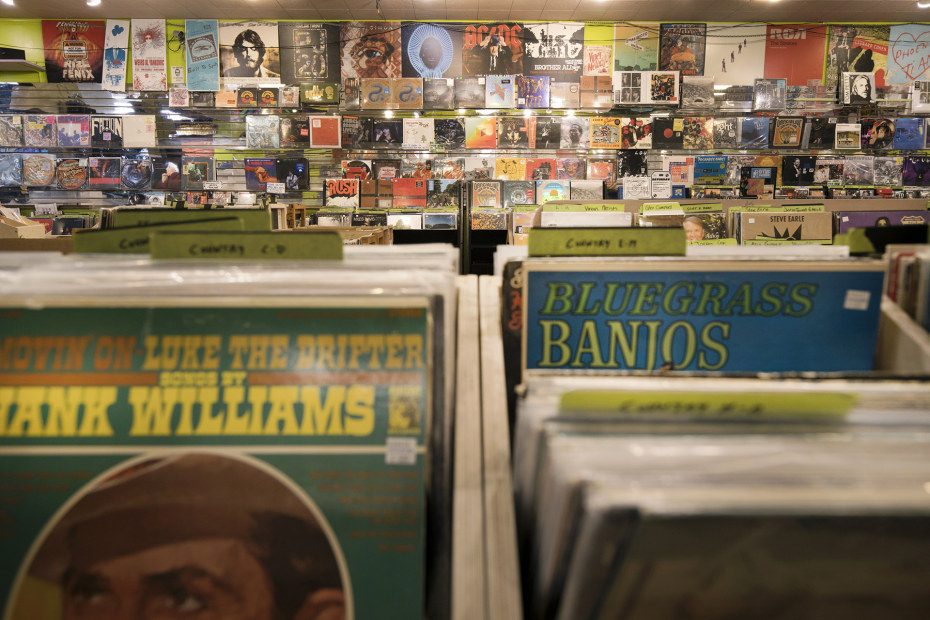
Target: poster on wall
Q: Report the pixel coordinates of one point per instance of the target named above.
(492, 49)
(681, 48)
(908, 53)
(203, 54)
(431, 50)
(249, 52)
(857, 49)
(735, 53)
(597, 59)
(795, 52)
(371, 50)
(73, 50)
(149, 68)
(115, 53)
(636, 47)
(309, 52)
(554, 49)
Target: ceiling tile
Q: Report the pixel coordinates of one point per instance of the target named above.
(525, 14)
(462, 14)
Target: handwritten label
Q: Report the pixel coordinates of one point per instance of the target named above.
(213, 185)
(275, 188)
(316, 245)
(607, 242)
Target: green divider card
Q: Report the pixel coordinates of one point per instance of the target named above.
(252, 219)
(524, 208)
(315, 245)
(135, 239)
(607, 242)
(581, 208)
(713, 242)
(859, 242)
(600, 207)
(731, 405)
(708, 207)
(783, 208)
(659, 206)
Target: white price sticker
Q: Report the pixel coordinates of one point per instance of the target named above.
(275, 188)
(857, 300)
(213, 185)
(401, 451)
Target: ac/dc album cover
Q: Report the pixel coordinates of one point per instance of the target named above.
(450, 132)
(294, 130)
(499, 91)
(513, 132)
(166, 172)
(682, 47)
(571, 168)
(309, 52)
(548, 132)
(797, 170)
(106, 131)
(492, 49)
(431, 50)
(11, 130)
(259, 171)
(787, 132)
(469, 92)
(136, 173)
(532, 91)
(438, 93)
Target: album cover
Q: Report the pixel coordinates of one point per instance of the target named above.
(166, 172)
(195, 171)
(541, 169)
(920, 96)
(769, 94)
(819, 133)
(409, 192)
(697, 92)
(858, 170)
(553, 49)
(480, 132)
(636, 133)
(407, 93)
(387, 132)
(11, 169)
(547, 191)
(450, 132)
(39, 130)
(631, 87)
(376, 94)
(469, 92)
(668, 132)
(360, 169)
(357, 131)
(848, 136)
(710, 169)
(513, 132)
(106, 131)
(371, 49)
(602, 169)
(515, 193)
(857, 88)
(510, 169)
(682, 47)
(758, 181)
(326, 93)
(887, 171)
(564, 95)
(349, 95)
(605, 132)
(11, 130)
(915, 172)
(590, 190)
(269, 97)
(449, 169)
(499, 91)
(571, 168)
(575, 133)
(290, 96)
(532, 91)
(249, 52)
(829, 171)
(753, 132)
(596, 91)
(431, 50)
(698, 133)
(294, 130)
(660, 87)
(417, 167)
(261, 131)
(548, 132)
(909, 134)
(259, 171)
(797, 170)
(38, 169)
(438, 93)
(385, 169)
(74, 50)
(341, 192)
(725, 132)
(877, 134)
(787, 132)
(632, 163)
(479, 168)
(419, 133)
(309, 52)
(136, 173)
(494, 48)
(247, 97)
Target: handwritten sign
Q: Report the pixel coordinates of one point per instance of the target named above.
(909, 56)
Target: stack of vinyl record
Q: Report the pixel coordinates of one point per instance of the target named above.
(723, 498)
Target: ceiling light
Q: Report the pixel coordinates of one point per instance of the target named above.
(93, 2)
(920, 5)
(8, 2)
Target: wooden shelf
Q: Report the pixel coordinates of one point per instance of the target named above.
(12, 64)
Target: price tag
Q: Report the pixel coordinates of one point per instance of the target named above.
(213, 185)
(275, 188)
(401, 451)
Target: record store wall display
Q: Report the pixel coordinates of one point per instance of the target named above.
(412, 96)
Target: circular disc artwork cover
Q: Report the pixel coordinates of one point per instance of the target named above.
(38, 170)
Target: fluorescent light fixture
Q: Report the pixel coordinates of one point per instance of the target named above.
(9, 2)
(93, 2)
(920, 5)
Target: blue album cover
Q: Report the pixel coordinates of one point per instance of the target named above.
(259, 171)
(710, 169)
(713, 317)
(203, 54)
(909, 134)
(754, 132)
(431, 50)
(532, 91)
(551, 190)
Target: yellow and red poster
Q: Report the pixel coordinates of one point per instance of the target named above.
(73, 50)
